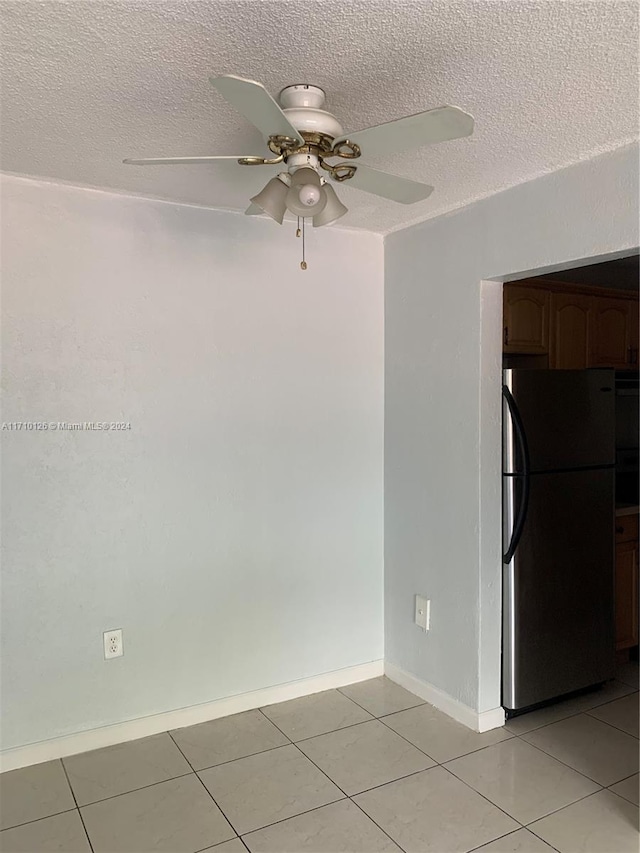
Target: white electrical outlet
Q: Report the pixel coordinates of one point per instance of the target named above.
(423, 612)
(113, 644)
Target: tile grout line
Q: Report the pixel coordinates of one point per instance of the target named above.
(406, 740)
(375, 823)
(419, 703)
(562, 808)
(535, 834)
(341, 729)
(373, 787)
(195, 773)
(560, 761)
(135, 790)
(454, 757)
(220, 843)
(569, 716)
(392, 781)
(510, 734)
(293, 817)
(346, 796)
(484, 797)
(37, 819)
(350, 797)
(306, 811)
(564, 764)
(73, 794)
(381, 719)
(506, 835)
(231, 760)
(607, 723)
(630, 776)
(364, 723)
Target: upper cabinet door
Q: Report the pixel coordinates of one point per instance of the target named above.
(610, 333)
(525, 319)
(569, 336)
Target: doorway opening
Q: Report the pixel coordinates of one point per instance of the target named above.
(570, 482)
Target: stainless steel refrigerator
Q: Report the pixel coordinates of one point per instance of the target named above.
(558, 533)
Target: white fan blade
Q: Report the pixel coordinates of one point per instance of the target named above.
(253, 101)
(253, 210)
(388, 186)
(169, 161)
(411, 132)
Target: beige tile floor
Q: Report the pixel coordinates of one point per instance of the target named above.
(366, 768)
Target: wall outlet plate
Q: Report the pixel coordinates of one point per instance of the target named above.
(113, 647)
(423, 612)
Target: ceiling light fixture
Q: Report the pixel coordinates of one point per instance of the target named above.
(333, 209)
(272, 199)
(306, 196)
(304, 136)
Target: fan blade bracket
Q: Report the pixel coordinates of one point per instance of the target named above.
(346, 149)
(343, 173)
(340, 172)
(260, 161)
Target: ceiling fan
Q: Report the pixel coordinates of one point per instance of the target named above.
(306, 138)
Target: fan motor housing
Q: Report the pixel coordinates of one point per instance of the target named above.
(301, 104)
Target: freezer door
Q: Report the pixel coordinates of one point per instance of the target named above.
(568, 418)
(558, 590)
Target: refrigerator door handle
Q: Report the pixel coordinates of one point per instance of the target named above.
(521, 438)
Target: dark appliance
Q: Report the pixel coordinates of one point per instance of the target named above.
(558, 525)
(627, 426)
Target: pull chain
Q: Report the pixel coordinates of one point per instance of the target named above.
(300, 233)
(303, 264)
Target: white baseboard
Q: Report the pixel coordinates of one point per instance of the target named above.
(60, 747)
(478, 721)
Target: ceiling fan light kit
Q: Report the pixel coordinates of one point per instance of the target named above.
(271, 200)
(333, 209)
(305, 137)
(305, 196)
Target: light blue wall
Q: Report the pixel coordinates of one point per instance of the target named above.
(235, 532)
(442, 404)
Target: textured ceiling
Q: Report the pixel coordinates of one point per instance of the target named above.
(87, 83)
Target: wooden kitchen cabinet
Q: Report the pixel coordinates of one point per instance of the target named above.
(570, 322)
(577, 327)
(626, 582)
(525, 319)
(611, 333)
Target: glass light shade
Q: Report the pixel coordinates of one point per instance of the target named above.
(333, 210)
(300, 179)
(272, 199)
